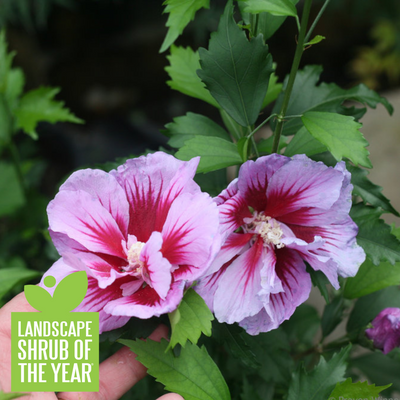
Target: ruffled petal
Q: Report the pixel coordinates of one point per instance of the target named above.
(84, 219)
(151, 183)
(157, 268)
(227, 193)
(254, 177)
(302, 183)
(237, 294)
(296, 283)
(95, 299)
(104, 187)
(191, 234)
(146, 303)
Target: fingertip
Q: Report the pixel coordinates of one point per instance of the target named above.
(171, 396)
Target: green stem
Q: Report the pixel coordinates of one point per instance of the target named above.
(321, 11)
(292, 76)
(261, 125)
(253, 142)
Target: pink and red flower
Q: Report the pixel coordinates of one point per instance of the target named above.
(385, 331)
(278, 214)
(141, 232)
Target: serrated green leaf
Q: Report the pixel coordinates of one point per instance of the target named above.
(304, 143)
(357, 390)
(281, 8)
(12, 195)
(215, 153)
(39, 105)
(236, 71)
(193, 374)
(181, 12)
(234, 338)
(9, 277)
(380, 369)
(371, 278)
(319, 383)
(10, 396)
(307, 95)
(368, 191)
(184, 62)
(374, 235)
(340, 134)
(368, 307)
(190, 320)
(191, 125)
(272, 350)
(267, 23)
(317, 39)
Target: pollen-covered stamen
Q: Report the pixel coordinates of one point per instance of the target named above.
(268, 228)
(135, 264)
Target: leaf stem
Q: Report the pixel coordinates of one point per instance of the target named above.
(292, 76)
(317, 18)
(261, 125)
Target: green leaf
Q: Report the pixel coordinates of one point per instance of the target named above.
(340, 134)
(374, 235)
(191, 125)
(215, 153)
(39, 105)
(181, 12)
(236, 71)
(274, 88)
(248, 391)
(304, 143)
(15, 85)
(371, 278)
(233, 337)
(193, 374)
(5, 62)
(213, 182)
(242, 147)
(40, 299)
(12, 195)
(9, 277)
(184, 63)
(274, 7)
(10, 396)
(265, 146)
(368, 191)
(303, 325)
(190, 320)
(319, 280)
(332, 315)
(308, 96)
(317, 39)
(319, 383)
(267, 23)
(272, 350)
(368, 307)
(380, 369)
(357, 390)
(5, 120)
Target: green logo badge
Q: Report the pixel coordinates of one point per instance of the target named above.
(55, 350)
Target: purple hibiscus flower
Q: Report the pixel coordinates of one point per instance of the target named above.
(277, 214)
(385, 331)
(140, 232)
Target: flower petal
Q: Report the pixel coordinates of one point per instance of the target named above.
(151, 183)
(106, 189)
(191, 234)
(296, 284)
(84, 219)
(237, 294)
(95, 299)
(302, 183)
(146, 303)
(157, 267)
(254, 177)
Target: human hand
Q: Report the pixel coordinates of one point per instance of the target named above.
(117, 374)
